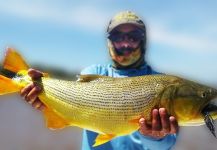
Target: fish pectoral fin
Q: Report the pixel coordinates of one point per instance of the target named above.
(13, 61)
(134, 121)
(103, 138)
(53, 120)
(92, 77)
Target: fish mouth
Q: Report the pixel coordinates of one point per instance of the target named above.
(208, 111)
(211, 105)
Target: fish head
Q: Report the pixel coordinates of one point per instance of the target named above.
(191, 100)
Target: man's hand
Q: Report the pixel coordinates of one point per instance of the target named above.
(161, 125)
(30, 92)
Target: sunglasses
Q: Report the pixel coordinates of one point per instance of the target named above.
(133, 36)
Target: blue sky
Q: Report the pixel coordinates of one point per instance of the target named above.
(71, 34)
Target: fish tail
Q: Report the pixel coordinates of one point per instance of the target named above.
(7, 85)
(13, 62)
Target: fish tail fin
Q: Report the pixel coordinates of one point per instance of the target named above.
(7, 86)
(13, 61)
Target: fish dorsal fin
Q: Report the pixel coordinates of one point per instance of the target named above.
(53, 120)
(92, 77)
(103, 138)
(13, 61)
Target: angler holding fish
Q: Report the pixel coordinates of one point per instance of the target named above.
(124, 106)
(127, 46)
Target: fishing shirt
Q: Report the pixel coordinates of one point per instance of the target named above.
(134, 141)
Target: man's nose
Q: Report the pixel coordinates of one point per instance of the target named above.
(125, 43)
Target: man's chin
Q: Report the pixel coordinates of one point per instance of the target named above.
(127, 54)
(126, 62)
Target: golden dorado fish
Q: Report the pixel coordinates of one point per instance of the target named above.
(110, 106)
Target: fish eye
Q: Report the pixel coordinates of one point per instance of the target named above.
(203, 95)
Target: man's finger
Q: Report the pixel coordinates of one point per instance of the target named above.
(144, 127)
(26, 89)
(156, 123)
(33, 94)
(35, 74)
(164, 120)
(37, 103)
(42, 107)
(173, 125)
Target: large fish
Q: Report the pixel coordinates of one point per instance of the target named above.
(113, 106)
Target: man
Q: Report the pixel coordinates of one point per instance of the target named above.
(127, 46)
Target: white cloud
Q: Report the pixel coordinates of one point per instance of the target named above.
(182, 40)
(23, 9)
(89, 17)
(84, 17)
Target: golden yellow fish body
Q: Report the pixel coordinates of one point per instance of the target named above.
(105, 104)
(109, 105)
(112, 106)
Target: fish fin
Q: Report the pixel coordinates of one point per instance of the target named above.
(7, 86)
(92, 77)
(134, 121)
(53, 120)
(13, 61)
(103, 138)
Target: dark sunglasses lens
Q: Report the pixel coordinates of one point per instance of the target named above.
(116, 37)
(133, 36)
(136, 35)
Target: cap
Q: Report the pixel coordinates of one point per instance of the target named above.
(125, 17)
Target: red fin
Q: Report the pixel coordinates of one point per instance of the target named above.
(101, 139)
(13, 61)
(7, 86)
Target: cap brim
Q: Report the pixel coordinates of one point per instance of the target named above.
(115, 25)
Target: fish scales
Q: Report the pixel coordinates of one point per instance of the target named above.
(99, 100)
